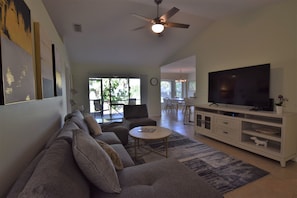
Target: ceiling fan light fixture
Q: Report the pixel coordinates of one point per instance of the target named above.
(157, 28)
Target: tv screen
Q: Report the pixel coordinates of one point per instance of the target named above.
(248, 86)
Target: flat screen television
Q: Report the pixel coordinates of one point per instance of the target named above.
(247, 86)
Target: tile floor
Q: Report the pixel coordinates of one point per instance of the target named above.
(280, 183)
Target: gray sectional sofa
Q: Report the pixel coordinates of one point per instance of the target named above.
(72, 164)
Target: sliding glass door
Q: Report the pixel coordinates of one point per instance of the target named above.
(111, 94)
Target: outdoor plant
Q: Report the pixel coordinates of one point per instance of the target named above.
(281, 100)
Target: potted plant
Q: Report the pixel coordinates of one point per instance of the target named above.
(280, 103)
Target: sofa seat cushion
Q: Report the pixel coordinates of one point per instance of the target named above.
(109, 138)
(135, 122)
(57, 175)
(95, 162)
(166, 178)
(124, 155)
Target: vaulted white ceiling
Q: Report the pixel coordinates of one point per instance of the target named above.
(107, 35)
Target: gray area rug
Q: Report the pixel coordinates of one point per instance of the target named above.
(220, 170)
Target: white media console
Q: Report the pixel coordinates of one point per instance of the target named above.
(265, 133)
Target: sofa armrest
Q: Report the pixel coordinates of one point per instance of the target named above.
(109, 138)
(119, 129)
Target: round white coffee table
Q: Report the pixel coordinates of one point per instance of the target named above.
(150, 133)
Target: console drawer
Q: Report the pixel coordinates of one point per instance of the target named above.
(225, 122)
(227, 132)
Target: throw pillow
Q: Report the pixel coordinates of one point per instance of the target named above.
(114, 156)
(93, 126)
(94, 162)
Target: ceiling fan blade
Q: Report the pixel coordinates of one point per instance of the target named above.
(143, 18)
(176, 25)
(168, 14)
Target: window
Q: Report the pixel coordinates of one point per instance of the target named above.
(166, 89)
(179, 89)
(111, 94)
(172, 88)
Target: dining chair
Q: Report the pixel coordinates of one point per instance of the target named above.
(189, 103)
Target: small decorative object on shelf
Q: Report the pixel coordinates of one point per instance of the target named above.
(259, 142)
(280, 103)
(279, 109)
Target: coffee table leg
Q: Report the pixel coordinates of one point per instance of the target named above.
(135, 145)
(166, 146)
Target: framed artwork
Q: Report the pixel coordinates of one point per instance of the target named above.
(17, 74)
(44, 63)
(57, 71)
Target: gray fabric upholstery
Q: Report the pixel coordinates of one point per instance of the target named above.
(52, 138)
(75, 113)
(135, 122)
(109, 138)
(125, 157)
(119, 129)
(81, 124)
(55, 172)
(20, 183)
(166, 178)
(66, 131)
(137, 115)
(95, 162)
(57, 175)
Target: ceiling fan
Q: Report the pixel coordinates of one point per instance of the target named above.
(161, 22)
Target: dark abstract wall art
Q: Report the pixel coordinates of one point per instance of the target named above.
(57, 71)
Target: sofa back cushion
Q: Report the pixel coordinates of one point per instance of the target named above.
(57, 175)
(22, 180)
(81, 124)
(94, 162)
(135, 111)
(66, 131)
(75, 113)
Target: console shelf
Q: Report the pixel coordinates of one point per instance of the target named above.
(265, 133)
(263, 136)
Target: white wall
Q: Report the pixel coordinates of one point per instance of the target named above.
(173, 76)
(151, 94)
(267, 35)
(25, 126)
